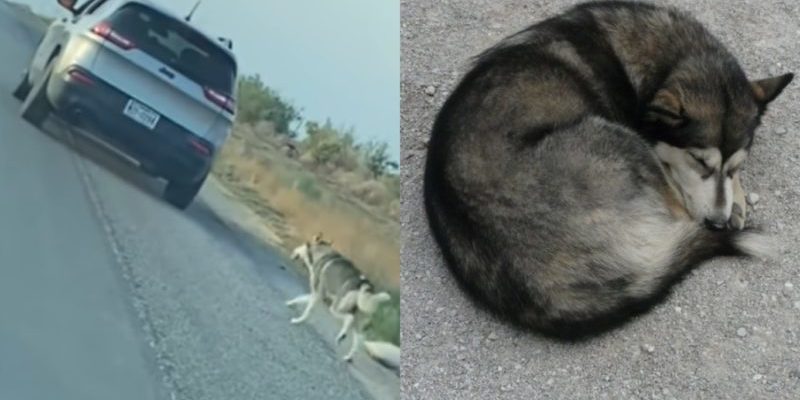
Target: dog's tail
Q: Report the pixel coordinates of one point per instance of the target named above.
(703, 244)
(385, 353)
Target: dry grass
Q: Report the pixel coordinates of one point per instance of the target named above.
(309, 205)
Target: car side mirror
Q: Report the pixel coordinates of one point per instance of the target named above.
(68, 4)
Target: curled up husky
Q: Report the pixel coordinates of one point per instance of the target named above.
(588, 162)
(334, 279)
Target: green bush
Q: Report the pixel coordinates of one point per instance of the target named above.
(385, 323)
(257, 102)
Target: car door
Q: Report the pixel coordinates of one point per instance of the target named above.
(56, 36)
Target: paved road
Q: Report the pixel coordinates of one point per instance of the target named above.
(106, 292)
(453, 351)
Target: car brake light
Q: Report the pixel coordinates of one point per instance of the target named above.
(81, 77)
(200, 147)
(105, 31)
(226, 102)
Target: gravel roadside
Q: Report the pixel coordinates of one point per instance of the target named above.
(731, 330)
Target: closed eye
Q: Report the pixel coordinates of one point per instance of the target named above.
(700, 161)
(707, 169)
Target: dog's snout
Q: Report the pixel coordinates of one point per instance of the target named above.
(716, 224)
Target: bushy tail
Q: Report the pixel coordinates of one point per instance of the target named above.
(749, 243)
(385, 353)
(754, 244)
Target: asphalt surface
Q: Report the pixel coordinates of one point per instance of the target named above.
(730, 331)
(107, 292)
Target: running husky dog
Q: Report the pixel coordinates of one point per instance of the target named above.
(586, 163)
(335, 279)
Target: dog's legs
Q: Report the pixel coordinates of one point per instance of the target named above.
(739, 211)
(302, 299)
(343, 310)
(312, 301)
(348, 323)
(356, 344)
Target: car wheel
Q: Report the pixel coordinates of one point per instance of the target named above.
(22, 90)
(181, 195)
(36, 106)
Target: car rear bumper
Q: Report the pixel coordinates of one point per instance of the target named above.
(168, 150)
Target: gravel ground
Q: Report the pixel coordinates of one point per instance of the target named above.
(731, 330)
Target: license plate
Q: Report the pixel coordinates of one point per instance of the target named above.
(141, 114)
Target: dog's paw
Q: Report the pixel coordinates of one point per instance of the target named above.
(737, 217)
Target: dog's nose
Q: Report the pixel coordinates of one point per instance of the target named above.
(715, 224)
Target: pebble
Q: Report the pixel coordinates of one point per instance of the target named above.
(757, 377)
(430, 90)
(648, 348)
(781, 131)
(797, 305)
(492, 336)
(788, 285)
(741, 332)
(752, 198)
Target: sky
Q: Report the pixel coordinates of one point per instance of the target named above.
(337, 59)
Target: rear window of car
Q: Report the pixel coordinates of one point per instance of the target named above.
(177, 45)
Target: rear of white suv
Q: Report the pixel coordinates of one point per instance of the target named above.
(142, 80)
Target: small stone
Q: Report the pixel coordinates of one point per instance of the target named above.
(430, 90)
(781, 131)
(741, 332)
(757, 377)
(788, 285)
(550, 382)
(752, 198)
(492, 336)
(779, 225)
(648, 348)
(678, 309)
(797, 305)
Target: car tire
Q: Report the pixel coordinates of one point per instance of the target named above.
(36, 106)
(181, 195)
(22, 90)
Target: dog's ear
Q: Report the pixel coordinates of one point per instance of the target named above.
(766, 90)
(666, 108)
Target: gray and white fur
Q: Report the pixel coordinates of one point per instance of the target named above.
(586, 163)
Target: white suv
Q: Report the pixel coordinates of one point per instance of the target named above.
(142, 79)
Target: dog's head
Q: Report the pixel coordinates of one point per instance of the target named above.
(302, 252)
(703, 120)
(308, 251)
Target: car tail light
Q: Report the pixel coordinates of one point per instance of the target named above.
(200, 147)
(105, 31)
(226, 102)
(80, 77)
